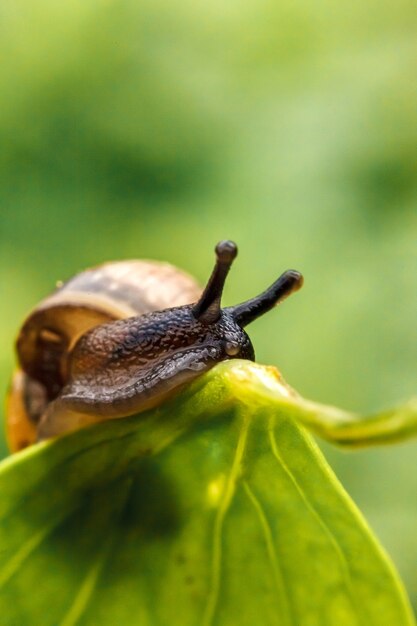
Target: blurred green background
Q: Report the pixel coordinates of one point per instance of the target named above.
(154, 129)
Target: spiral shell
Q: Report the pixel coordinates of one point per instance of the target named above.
(111, 291)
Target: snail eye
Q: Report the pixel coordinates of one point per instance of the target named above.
(232, 349)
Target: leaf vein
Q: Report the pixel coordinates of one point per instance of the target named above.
(25, 550)
(317, 516)
(88, 585)
(213, 594)
(87, 588)
(272, 555)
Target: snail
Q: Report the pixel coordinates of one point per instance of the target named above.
(120, 338)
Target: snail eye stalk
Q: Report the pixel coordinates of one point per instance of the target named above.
(207, 309)
(245, 313)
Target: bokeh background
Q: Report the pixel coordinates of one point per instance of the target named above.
(153, 129)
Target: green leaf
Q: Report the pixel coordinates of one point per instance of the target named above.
(336, 425)
(215, 509)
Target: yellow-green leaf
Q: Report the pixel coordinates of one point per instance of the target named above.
(215, 509)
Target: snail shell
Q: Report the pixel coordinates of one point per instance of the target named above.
(111, 291)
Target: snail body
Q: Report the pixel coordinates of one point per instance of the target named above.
(120, 338)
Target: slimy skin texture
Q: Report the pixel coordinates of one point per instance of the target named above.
(116, 367)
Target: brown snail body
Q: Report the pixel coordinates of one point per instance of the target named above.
(118, 339)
